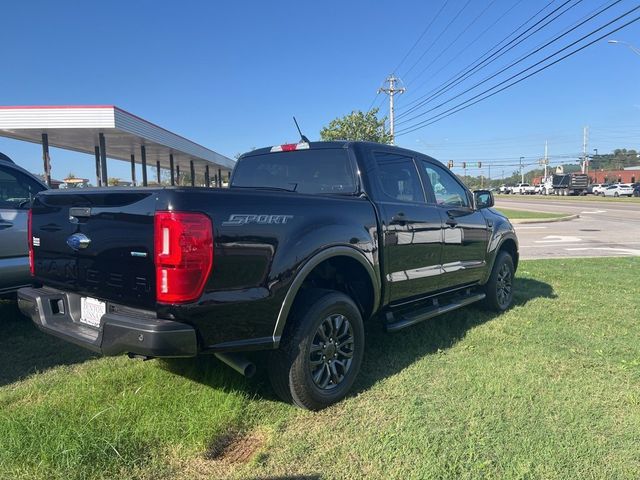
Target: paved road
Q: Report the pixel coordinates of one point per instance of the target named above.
(605, 228)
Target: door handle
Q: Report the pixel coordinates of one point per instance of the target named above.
(399, 218)
(4, 225)
(452, 222)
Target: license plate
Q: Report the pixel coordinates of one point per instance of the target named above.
(91, 311)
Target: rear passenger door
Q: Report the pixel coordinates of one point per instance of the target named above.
(412, 229)
(465, 231)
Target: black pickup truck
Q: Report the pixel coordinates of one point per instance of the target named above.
(311, 241)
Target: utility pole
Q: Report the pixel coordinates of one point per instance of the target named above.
(585, 156)
(521, 171)
(391, 91)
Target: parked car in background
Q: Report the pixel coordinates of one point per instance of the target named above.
(619, 190)
(523, 189)
(599, 188)
(17, 189)
(505, 189)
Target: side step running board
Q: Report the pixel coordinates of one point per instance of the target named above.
(416, 316)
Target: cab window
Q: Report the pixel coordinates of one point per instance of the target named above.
(398, 177)
(16, 189)
(446, 189)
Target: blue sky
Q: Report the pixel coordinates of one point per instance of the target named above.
(230, 75)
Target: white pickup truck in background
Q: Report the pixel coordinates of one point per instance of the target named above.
(523, 189)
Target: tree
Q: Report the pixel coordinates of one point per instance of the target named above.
(113, 181)
(357, 126)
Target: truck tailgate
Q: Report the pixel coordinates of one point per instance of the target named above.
(96, 243)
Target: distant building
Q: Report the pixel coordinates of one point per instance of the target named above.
(628, 175)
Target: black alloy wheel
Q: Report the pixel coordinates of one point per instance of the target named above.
(504, 286)
(331, 352)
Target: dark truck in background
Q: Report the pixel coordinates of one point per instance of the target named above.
(570, 184)
(310, 241)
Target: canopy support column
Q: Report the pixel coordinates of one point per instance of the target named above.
(193, 173)
(158, 171)
(178, 174)
(173, 178)
(206, 176)
(133, 170)
(220, 177)
(98, 174)
(46, 159)
(143, 153)
(103, 160)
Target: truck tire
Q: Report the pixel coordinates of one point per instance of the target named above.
(321, 352)
(499, 288)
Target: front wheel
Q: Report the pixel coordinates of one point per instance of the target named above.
(321, 352)
(499, 288)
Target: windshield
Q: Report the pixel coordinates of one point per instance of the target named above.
(304, 171)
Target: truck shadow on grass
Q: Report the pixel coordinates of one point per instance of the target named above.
(24, 350)
(385, 355)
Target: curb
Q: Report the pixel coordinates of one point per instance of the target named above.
(522, 221)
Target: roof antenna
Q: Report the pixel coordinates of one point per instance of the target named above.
(302, 137)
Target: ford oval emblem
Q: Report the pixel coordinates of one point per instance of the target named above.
(78, 241)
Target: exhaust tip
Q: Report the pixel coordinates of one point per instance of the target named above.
(238, 362)
(250, 370)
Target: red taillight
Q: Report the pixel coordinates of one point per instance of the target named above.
(183, 255)
(32, 268)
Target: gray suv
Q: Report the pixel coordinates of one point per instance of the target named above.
(17, 189)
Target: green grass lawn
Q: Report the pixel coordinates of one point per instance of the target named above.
(549, 389)
(527, 214)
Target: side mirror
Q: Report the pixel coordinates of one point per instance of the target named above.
(483, 199)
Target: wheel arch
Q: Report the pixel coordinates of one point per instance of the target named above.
(507, 243)
(349, 262)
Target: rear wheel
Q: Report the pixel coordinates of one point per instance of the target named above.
(616, 194)
(321, 353)
(499, 288)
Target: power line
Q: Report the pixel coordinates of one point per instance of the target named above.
(512, 64)
(455, 109)
(450, 44)
(469, 68)
(438, 38)
(497, 55)
(472, 42)
(395, 70)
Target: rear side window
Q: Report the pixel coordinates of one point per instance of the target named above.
(17, 189)
(398, 177)
(304, 171)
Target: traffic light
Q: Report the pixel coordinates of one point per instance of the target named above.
(479, 164)
(464, 164)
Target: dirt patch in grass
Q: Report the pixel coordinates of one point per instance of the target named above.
(225, 456)
(235, 447)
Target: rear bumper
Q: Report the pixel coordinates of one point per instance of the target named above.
(121, 330)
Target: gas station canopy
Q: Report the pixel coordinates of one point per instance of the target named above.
(107, 131)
